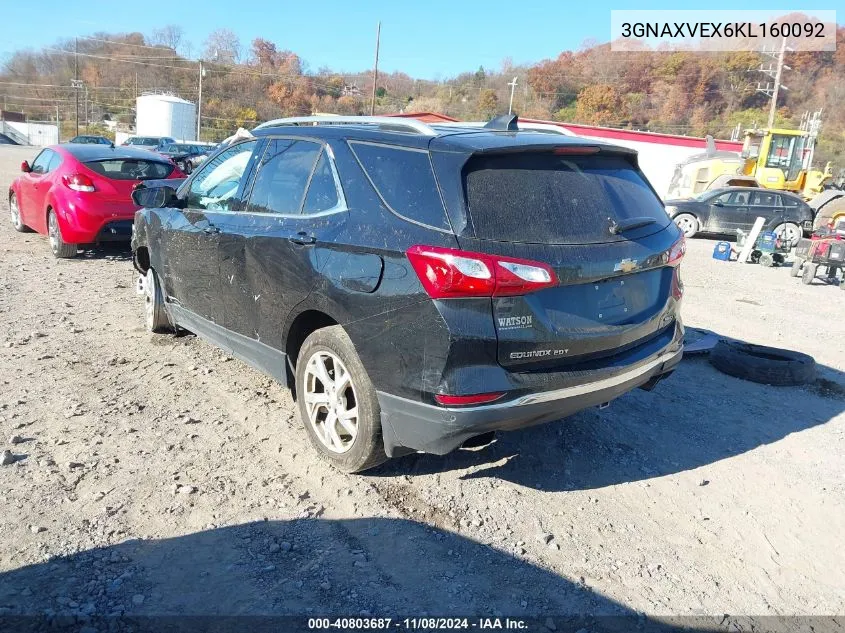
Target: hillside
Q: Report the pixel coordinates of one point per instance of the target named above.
(683, 93)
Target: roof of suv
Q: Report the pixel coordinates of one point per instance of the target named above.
(443, 138)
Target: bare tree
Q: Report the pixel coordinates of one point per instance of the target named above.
(223, 46)
(170, 36)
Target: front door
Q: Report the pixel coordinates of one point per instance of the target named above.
(191, 277)
(34, 191)
(728, 212)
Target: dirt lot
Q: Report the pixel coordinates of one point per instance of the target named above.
(155, 475)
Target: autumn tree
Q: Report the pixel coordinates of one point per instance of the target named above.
(599, 104)
(488, 104)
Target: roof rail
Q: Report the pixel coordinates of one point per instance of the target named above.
(385, 122)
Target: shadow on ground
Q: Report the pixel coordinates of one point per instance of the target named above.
(245, 578)
(116, 251)
(695, 417)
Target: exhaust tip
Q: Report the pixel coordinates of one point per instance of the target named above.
(479, 441)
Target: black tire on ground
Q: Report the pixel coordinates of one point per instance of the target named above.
(367, 449)
(809, 273)
(767, 260)
(766, 365)
(60, 249)
(155, 315)
(795, 271)
(15, 212)
(834, 208)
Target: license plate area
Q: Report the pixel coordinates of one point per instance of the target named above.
(611, 299)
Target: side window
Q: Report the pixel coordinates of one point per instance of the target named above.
(404, 179)
(788, 201)
(740, 198)
(322, 191)
(216, 184)
(55, 161)
(725, 198)
(282, 177)
(41, 164)
(763, 199)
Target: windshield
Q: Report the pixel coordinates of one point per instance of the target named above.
(142, 140)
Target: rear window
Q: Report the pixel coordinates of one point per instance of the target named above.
(549, 199)
(405, 181)
(130, 169)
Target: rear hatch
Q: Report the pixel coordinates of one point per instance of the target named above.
(118, 176)
(591, 215)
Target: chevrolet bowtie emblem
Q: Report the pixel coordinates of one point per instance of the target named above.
(626, 265)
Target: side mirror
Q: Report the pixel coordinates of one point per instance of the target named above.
(718, 203)
(153, 197)
(25, 168)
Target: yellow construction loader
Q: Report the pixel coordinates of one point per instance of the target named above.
(775, 159)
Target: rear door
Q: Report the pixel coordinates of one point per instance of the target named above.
(615, 289)
(764, 204)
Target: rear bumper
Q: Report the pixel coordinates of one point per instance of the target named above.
(439, 430)
(89, 221)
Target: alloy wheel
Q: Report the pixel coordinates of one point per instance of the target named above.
(687, 225)
(53, 231)
(15, 211)
(331, 402)
(149, 299)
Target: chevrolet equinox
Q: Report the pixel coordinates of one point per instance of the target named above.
(419, 286)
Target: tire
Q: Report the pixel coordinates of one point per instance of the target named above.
(833, 209)
(15, 212)
(809, 273)
(767, 260)
(155, 315)
(61, 249)
(766, 365)
(789, 232)
(348, 450)
(688, 224)
(795, 271)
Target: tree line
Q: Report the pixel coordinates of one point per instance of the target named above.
(688, 93)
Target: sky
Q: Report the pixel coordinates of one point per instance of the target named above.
(433, 39)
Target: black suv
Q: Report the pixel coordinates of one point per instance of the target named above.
(419, 286)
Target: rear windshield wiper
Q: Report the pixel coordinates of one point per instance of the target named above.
(629, 225)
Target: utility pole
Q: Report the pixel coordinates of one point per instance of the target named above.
(87, 121)
(199, 104)
(375, 70)
(76, 79)
(776, 73)
(58, 127)
(513, 87)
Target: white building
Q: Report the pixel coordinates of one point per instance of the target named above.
(166, 115)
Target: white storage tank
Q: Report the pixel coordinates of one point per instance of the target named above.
(166, 115)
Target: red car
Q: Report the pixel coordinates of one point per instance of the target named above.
(82, 194)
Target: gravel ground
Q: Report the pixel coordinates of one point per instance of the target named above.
(156, 475)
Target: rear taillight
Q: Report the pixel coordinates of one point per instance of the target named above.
(448, 273)
(463, 401)
(673, 257)
(676, 252)
(78, 182)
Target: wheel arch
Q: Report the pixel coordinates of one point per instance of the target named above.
(301, 326)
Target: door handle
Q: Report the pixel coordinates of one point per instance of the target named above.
(211, 230)
(303, 239)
